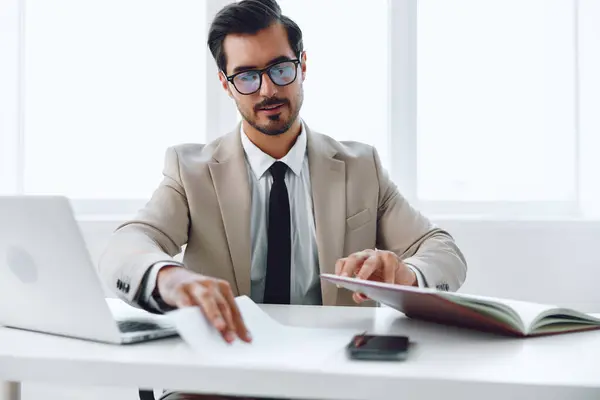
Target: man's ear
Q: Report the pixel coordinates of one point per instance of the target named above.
(225, 84)
(303, 65)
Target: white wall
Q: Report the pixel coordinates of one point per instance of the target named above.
(555, 262)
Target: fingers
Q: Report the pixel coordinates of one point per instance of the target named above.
(359, 297)
(196, 295)
(370, 266)
(206, 298)
(380, 266)
(238, 323)
(353, 263)
(390, 265)
(227, 314)
(214, 298)
(339, 265)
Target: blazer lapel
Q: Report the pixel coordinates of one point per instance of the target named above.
(328, 181)
(230, 177)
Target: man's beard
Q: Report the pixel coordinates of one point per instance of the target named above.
(279, 127)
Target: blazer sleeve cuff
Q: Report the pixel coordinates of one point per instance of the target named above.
(421, 282)
(149, 297)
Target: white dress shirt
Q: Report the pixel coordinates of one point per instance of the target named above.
(305, 283)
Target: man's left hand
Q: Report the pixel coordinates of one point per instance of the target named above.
(375, 265)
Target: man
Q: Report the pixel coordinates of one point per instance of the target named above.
(265, 209)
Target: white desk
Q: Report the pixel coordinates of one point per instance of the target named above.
(445, 362)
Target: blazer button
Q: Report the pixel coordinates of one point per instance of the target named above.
(127, 288)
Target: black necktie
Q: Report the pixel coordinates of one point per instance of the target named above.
(279, 254)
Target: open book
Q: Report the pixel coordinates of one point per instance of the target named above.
(511, 317)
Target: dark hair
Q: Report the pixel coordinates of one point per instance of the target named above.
(249, 16)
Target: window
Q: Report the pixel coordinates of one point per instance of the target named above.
(589, 105)
(496, 101)
(346, 87)
(110, 84)
(476, 107)
(9, 96)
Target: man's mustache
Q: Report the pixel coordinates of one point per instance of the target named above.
(270, 102)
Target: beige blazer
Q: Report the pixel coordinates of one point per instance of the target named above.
(204, 202)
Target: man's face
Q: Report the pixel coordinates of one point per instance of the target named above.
(273, 108)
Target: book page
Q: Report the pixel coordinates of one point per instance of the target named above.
(562, 320)
(536, 315)
(528, 312)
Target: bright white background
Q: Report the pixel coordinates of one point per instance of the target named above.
(485, 112)
(108, 86)
(478, 108)
(496, 108)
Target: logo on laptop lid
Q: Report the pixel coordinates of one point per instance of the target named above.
(21, 264)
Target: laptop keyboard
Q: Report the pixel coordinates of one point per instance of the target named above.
(138, 326)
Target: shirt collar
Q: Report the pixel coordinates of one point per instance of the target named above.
(260, 161)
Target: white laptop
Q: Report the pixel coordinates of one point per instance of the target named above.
(49, 284)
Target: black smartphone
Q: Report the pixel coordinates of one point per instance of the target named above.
(378, 347)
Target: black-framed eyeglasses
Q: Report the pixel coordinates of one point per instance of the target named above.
(282, 74)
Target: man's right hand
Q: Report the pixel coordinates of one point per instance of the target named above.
(179, 287)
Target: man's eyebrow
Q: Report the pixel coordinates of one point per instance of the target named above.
(249, 67)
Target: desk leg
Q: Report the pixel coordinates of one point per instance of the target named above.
(10, 391)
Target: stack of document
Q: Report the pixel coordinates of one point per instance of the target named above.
(272, 342)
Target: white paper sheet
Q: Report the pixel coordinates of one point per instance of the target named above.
(272, 342)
